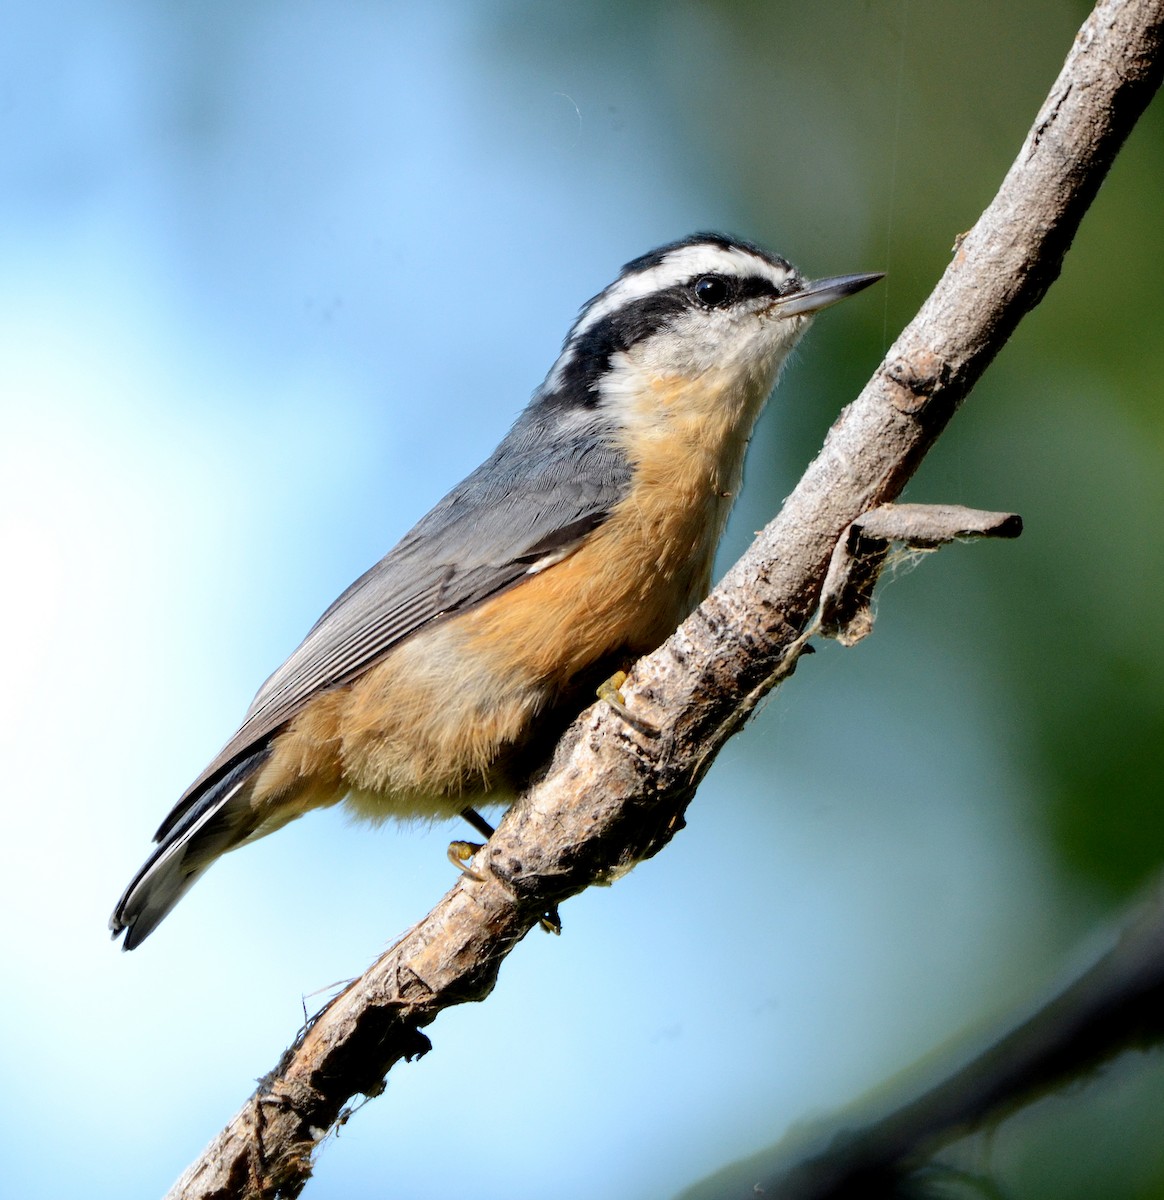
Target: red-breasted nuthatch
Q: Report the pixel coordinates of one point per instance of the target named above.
(441, 678)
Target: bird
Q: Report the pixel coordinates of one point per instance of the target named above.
(440, 680)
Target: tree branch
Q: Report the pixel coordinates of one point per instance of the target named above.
(1115, 1004)
(615, 794)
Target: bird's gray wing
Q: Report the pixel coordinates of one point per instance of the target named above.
(528, 502)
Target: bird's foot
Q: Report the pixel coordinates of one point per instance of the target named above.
(609, 691)
(461, 854)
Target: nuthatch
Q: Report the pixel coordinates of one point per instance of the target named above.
(441, 678)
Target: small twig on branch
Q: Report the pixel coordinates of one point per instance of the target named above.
(846, 600)
(614, 795)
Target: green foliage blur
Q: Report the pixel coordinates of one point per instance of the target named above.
(917, 109)
(920, 115)
(792, 109)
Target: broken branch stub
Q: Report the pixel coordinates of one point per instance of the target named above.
(846, 605)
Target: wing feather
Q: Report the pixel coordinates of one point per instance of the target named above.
(551, 482)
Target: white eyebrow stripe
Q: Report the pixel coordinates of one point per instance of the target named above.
(679, 265)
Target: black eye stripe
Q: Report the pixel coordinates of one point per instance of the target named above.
(619, 330)
(713, 290)
(592, 348)
(753, 286)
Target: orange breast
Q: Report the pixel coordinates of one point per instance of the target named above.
(427, 730)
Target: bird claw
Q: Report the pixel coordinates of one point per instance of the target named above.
(461, 854)
(609, 691)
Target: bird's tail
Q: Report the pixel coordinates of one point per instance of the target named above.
(214, 820)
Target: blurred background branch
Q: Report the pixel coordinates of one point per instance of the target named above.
(1115, 1004)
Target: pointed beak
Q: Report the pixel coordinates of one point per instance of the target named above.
(820, 293)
